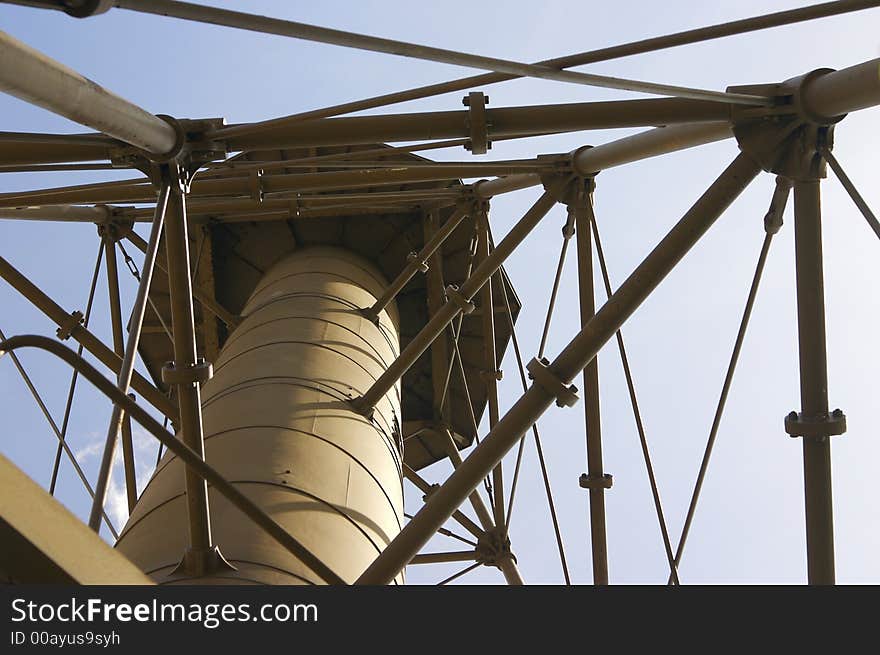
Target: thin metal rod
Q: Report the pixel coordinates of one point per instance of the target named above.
(643, 46)
(206, 299)
(567, 232)
(459, 574)
(119, 348)
(35, 78)
(571, 361)
(417, 262)
(189, 457)
(637, 414)
(813, 381)
(491, 371)
(722, 400)
(476, 500)
(426, 488)
(185, 359)
(62, 443)
(56, 466)
(584, 217)
(852, 191)
(451, 309)
(94, 345)
(126, 370)
(442, 558)
(560, 546)
(449, 533)
(255, 23)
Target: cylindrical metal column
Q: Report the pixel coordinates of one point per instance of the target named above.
(279, 426)
(814, 380)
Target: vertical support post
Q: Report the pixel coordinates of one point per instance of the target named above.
(595, 481)
(109, 235)
(814, 422)
(126, 369)
(183, 373)
(490, 374)
(439, 347)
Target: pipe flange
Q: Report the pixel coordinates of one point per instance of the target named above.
(797, 424)
(603, 481)
(539, 371)
(477, 123)
(454, 296)
(70, 324)
(797, 87)
(179, 141)
(198, 373)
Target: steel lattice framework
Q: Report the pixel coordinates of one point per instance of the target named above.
(326, 182)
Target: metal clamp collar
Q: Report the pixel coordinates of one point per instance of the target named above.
(815, 427)
(200, 372)
(603, 481)
(454, 296)
(566, 396)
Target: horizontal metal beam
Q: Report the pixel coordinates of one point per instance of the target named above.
(35, 78)
(89, 341)
(523, 121)
(849, 89)
(571, 361)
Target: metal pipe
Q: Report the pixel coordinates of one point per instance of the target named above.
(126, 370)
(653, 44)
(583, 216)
(849, 89)
(813, 381)
(443, 558)
(573, 359)
(91, 343)
(659, 141)
(854, 194)
(416, 263)
(185, 360)
(119, 348)
(23, 154)
(438, 322)
(35, 78)
(530, 120)
(188, 456)
(287, 28)
(474, 497)
(61, 213)
(589, 160)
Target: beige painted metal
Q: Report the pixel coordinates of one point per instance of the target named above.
(278, 425)
(42, 542)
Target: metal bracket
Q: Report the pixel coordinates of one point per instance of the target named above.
(453, 295)
(815, 427)
(71, 323)
(603, 481)
(255, 180)
(191, 147)
(477, 122)
(493, 546)
(115, 229)
(413, 256)
(492, 375)
(566, 396)
(200, 372)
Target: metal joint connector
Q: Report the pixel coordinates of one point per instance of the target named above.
(198, 373)
(773, 219)
(477, 122)
(453, 295)
(815, 427)
(566, 396)
(493, 547)
(492, 375)
(413, 257)
(603, 481)
(70, 324)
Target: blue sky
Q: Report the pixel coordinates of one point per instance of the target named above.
(749, 526)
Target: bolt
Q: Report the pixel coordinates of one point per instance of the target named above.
(792, 416)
